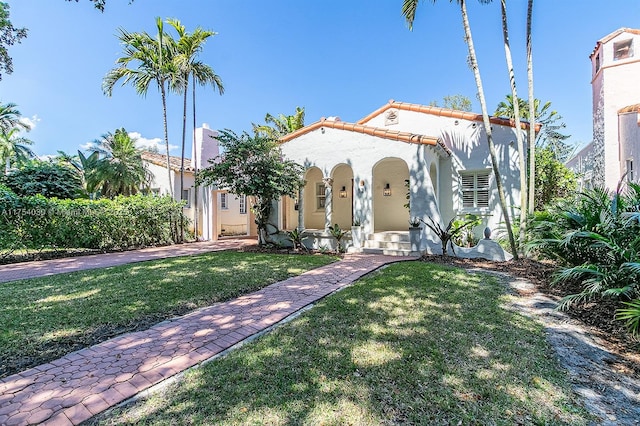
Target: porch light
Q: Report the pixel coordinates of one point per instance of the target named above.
(387, 191)
(343, 192)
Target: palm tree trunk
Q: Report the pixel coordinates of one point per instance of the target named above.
(532, 114)
(487, 124)
(166, 136)
(184, 136)
(195, 161)
(516, 117)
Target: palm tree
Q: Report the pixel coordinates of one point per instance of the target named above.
(409, 12)
(120, 170)
(10, 118)
(277, 127)
(153, 57)
(532, 117)
(13, 147)
(188, 47)
(516, 118)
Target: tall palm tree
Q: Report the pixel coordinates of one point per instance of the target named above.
(188, 46)
(516, 118)
(13, 148)
(277, 127)
(409, 11)
(10, 118)
(120, 170)
(532, 108)
(153, 61)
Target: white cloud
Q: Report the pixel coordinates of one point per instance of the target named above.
(87, 146)
(31, 122)
(154, 144)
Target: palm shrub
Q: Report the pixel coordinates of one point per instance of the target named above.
(454, 229)
(337, 233)
(596, 239)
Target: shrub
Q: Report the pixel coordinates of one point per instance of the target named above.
(37, 222)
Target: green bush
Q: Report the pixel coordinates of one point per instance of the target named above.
(37, 222)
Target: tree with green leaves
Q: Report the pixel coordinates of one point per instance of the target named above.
(10, 118)
(277, 127)
(457, 102)
(409, 8)
(188, 46)
(119, 169)
(252, 165)
(14, 149)
(48, 178)
(9, 35)
(151, 61)
(553, 179)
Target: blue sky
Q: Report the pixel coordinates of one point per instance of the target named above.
(333, 57)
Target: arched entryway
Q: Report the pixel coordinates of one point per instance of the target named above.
(342, 196)
(390, 195)
(314, 199)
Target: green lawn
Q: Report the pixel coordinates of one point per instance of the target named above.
(413, 344)
(44, 318)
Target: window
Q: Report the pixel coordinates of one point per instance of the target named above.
(186, 197)
(475, 189)
(597, 62)
(243, 204)
(630, 174)
(224, 204)
(623, 49)
(320, 196)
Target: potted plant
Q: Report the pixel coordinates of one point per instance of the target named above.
(415, 234)
(356, 233)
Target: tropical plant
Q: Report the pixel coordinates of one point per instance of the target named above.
(532, 116)
(553, 179)
(10, 118)
(409, 8)
(596, 237)
(452, 230)
(296, 236)
(14, 148)
(88, 166)
(252, 165)
(188, 46)
(9, 35)
(49, 179)
(152, 61)
(119, 169)
(338, 233)
(277, 127)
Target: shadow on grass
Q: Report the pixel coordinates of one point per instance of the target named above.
(45, 318)
(414, 344)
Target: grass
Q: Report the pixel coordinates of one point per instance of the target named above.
(42, 319)
(413, 344)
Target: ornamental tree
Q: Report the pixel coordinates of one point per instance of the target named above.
(252, 165)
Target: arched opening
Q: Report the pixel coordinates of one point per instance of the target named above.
(314, 199)
(433, 174)
(390, 195)
(342, 196)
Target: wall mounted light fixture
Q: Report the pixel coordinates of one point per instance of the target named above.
(387, 190)
(343, 192)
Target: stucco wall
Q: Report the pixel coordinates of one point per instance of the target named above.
(630, 142)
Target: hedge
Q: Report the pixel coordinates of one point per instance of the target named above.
(37, 222)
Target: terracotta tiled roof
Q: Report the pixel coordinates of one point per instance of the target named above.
(613, 35)
(161, 160)
(441, 112)
(630, 108)
(368, 130)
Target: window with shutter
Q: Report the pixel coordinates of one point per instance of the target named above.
(475, 189)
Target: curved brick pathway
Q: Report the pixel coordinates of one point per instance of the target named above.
(19, 271)
(84, 383)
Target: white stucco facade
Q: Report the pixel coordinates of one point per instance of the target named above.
(615, 65)
(357, 171)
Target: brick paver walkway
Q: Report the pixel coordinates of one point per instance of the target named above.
(84, 383)
(19, 271)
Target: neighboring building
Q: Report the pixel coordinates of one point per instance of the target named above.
(228, 215)
(435, 159)
(582, 165)
(615, 64)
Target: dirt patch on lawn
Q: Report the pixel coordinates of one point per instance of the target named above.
(600, 356)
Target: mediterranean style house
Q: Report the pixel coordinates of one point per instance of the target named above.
(402, 161)
(615, 150)
(218, 213)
